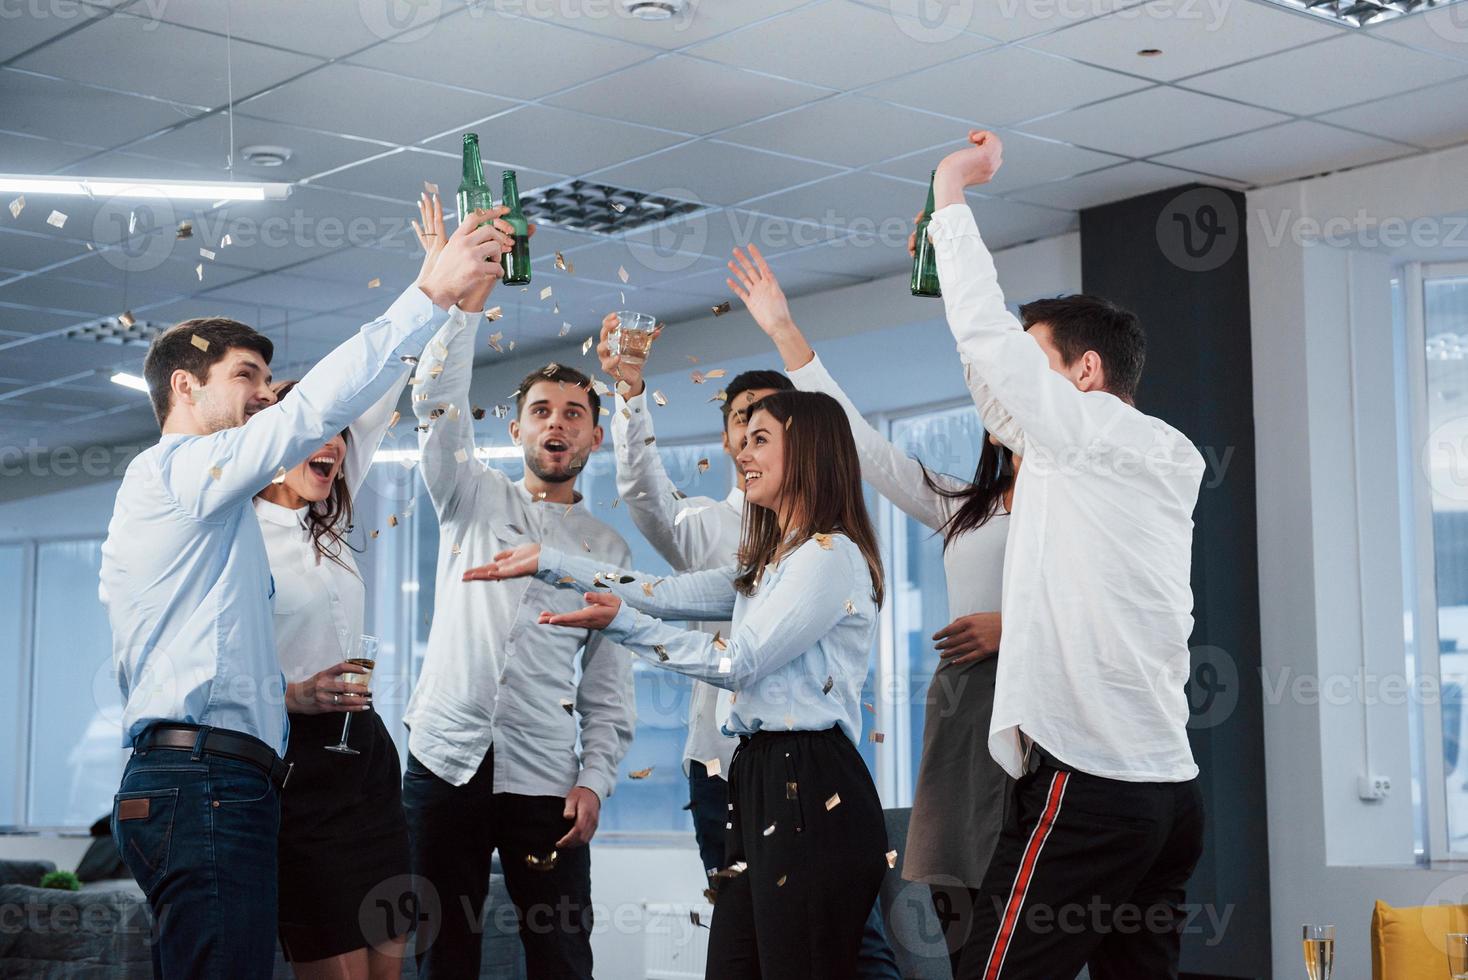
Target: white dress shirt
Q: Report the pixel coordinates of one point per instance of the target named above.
(185, 577)
(1097, 603)
(797, 656)
(320, 606)
(692, 534)
(492, 675)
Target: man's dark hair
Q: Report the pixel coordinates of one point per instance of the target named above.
(1080, 323)
(175, 349)
(753, 381)
(565, 375)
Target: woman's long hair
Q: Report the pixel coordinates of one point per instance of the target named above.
(328, 520)
(982, 497)
(821, 488)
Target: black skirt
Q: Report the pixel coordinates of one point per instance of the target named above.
(344, 863)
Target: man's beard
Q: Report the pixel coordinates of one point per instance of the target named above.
(211, 415)
(573, 468)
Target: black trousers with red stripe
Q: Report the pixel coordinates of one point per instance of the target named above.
(1088, 871)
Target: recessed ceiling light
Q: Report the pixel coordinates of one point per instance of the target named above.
(265, 156)
(1361, 13)
(1150, 52)
(146, 187)
(655, 9)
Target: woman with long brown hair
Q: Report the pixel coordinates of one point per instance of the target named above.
(806, 837)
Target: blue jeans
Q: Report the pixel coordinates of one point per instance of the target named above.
(198, 833)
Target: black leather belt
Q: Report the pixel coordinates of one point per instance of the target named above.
(1038, 757)
(216, 741)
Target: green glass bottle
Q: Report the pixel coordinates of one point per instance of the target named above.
(517, 260)
(925, 262)
(474, 191)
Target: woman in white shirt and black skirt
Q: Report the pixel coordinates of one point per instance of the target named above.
(343, 836)
(806, 835)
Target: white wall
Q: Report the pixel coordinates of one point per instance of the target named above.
(1330, 575)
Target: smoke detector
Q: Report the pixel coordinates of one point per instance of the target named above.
(265, 156)
(655, 9)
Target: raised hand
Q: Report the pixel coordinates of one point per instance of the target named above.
(598, 613)
(973, 165)
(325, 692)
(760, 291)
(430, 233)
(968, 638)
(469, 267)
(518, 562)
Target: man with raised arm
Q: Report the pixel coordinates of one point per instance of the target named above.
(187, 585)
(694, 534)
(493, 761)
(1089, 710)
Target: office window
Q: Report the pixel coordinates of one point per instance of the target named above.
(76, 754)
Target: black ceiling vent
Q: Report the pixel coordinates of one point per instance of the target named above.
(124, 330)
(580, 205)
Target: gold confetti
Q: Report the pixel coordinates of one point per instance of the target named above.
(869, 706)
(374, 534)
(494, 341)
(693, 917)
(697, 377)
(550, 369)
(603, 410)
(691, 358)
(780, 881)
(850, 608)
(834, 801)
(430, 187)
(570, 708)
(279, 477)
(461, 455)
(720, 396)
(647, 588)
(725, 665)
(824, 540)
(891, 859)
(205, 253)
(830, 683)
(126, 318)
(661, 651)
(716, 373)
(560, 262)
(640, 773)
(215, 472)
(565, 329)
(199, 342)
(788, 422)
(703, 465)
(586, 346)
(768, 830)
(722, 308)
(686, 513)
(435, 371)
(714, 767)
(500, 411)
(455, 550)
(374, 282)
(792, 791)
(660, 398)
(17, 206)
(622, 274)
(648, 442)
(547, 863)
(392, 520)
(719, 642)
(226, 241)
(877, 737)
(545, 293)
(58, 220)
(408, 359)
(185, 229)
(618, 207)
(199, 271)
(599, 386)
(494, 313)
(477, 413)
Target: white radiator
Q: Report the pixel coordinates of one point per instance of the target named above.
(673, 947)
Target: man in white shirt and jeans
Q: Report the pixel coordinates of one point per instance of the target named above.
(186, 581)
(1090, 713)
(694, 534)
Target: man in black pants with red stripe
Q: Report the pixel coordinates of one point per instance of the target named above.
(1090, 714)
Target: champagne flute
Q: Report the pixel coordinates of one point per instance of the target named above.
(1319, 951)
(365, 660)
(1458, 955)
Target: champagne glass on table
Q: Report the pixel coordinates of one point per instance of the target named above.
(633, 337)
(1458, 955)
(365, 661)
(1319, 951)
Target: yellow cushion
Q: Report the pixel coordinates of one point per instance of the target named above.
(1411, 943)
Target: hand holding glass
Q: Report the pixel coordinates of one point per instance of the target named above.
(366, 659)
(633, 337)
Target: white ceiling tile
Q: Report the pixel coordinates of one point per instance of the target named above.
(357, 266)
(702, 19)
(644, 263)
(454, 53)
(858, 45)
(1104, 186)
(32, 247)
(719, 96)
(713, 289)
(328, 30)
(1004, 86)
(284, 291)
(61, 293)
(1296, 149)
(27, 25)
(1193, 37)
(1434, 118)
(865, 206)
(20, 153)
(342, 98)
(125, 164)
(1005, 223)
(400, 176)
(1027, 160)
(858, 257)
(64, 110)
(1152, 121)
(30, 322)
(145, 56)
(205, 143)
(1444, 30)
(840, 131)
(1008, 20)
(712, 172)
(713, 234)
(542, 137)
(1329, 75)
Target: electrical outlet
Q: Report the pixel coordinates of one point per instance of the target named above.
(1373, 788)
